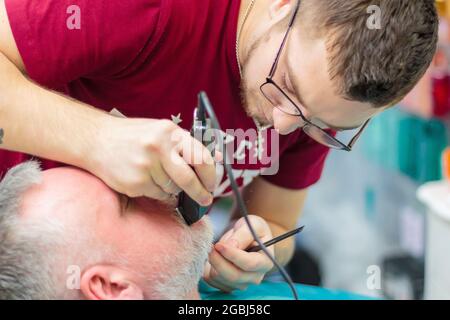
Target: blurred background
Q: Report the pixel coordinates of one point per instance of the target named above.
(378, 222)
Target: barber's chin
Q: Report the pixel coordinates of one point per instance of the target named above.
(262, 119)
(265, 117)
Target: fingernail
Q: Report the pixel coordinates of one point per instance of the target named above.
(207, 200)
(218, 157)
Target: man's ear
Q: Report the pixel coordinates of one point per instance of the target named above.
(279, 9)
(103, 282)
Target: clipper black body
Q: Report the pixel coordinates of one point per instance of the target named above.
(189, 209)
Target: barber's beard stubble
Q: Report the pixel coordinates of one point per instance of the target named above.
(251, 98)
(189, 258)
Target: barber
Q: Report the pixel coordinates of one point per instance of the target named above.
(65, 64)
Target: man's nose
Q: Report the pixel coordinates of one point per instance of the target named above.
(285, 123)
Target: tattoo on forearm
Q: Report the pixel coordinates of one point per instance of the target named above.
(2, 133)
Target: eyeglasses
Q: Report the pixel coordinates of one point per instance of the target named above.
(281, 100)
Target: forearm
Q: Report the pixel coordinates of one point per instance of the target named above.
(43, 123)
(284, 250)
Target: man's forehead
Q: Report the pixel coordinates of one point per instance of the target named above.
(61, 189)
(71, 180)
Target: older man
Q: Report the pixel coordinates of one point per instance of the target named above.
(56, 223)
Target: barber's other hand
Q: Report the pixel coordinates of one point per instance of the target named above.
(230, 267)
(151, 158)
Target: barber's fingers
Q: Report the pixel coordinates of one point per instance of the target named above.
(185, 178)
(210, 275)
(226, 235)
(162, 179)
(230, 274)
(242, 235)
(152, 190)
(247, 261)
(200, 158)
(221, 285)
(218, 156)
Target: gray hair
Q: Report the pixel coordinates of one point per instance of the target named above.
(188, 264)
(22, 267)
(32, 265)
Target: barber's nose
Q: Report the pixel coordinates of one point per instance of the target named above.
(285, 123)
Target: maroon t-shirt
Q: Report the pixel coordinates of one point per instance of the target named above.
(150, 58)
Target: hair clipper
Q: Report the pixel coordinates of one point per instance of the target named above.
(189, 209)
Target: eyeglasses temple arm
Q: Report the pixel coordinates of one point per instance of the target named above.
(355, 138)
(291, 23)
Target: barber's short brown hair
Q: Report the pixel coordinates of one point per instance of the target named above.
(376, 66)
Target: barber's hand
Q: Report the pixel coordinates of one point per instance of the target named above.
(152, 158)
(230, 267)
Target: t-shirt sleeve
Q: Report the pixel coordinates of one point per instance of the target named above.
(301, 165)
(64, 40)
